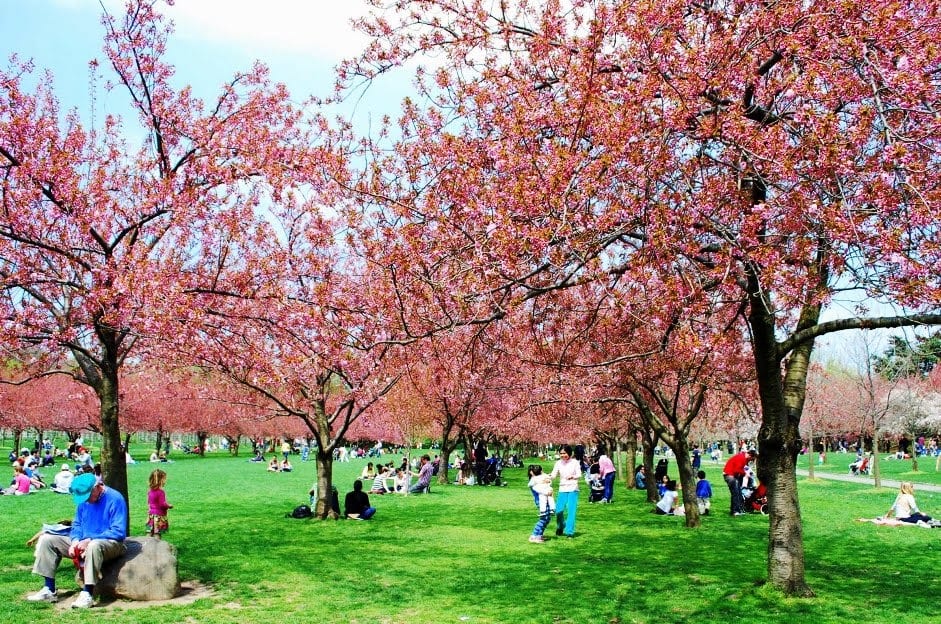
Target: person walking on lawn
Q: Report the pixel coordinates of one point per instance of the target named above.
(569, 471)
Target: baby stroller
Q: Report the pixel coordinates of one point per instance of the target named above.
(493, 473)
(861, 467)
(596, 487)
(755, 499)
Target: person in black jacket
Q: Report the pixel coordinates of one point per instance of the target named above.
(357, 503)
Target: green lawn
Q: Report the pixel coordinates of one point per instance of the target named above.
(461, 555)
(897, 469)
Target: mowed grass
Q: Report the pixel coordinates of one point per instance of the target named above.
(461, 554)
(929, 469)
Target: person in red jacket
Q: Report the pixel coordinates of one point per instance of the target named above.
(733, 472)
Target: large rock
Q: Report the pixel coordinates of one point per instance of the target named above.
(147, 571)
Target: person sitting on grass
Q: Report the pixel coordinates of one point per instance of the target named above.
(667, 504)
(357, 505)
(423, 486)
(640, 478)
(62, 480)
(379, 481)
(905, 508)
(662, 485)
(21, 484)
(401, 480)
(273, 465)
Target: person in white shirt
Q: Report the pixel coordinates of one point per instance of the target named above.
(666, 506)
(62, 480)
(541, 486)
(905, 508)
(569, 472)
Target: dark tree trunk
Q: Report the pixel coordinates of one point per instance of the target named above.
(779, 441)
(684, 466)
(630, 460)
(649, 442)
(113, 465)
(233, 445)
(323, 508)
(448, 444)
(201, 437)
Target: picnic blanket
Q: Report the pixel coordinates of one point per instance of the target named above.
(896, 522)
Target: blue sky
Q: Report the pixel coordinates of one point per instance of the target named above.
(300, 40)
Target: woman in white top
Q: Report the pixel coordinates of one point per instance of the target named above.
(667, 504)
(905, 508)
(569, 471)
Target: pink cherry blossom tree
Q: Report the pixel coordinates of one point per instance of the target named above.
(98, 230)
(765, 155)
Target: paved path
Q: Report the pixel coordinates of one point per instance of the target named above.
(887, 483)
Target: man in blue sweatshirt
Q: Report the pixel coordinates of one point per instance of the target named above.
(97, 536)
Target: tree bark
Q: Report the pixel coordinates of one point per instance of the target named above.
(448, 444)
(649, 442)
(684, 466)
(320, 428)
(113, 465)
(233, 445)
(779, 441)
(323, 508)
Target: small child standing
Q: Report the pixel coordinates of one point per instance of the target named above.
(541, 485)
(703, 493)
(157, 523)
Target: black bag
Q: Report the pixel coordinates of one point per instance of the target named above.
(301, 511)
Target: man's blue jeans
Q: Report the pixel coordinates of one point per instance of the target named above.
(735, 489)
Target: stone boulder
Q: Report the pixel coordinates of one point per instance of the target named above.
(147, 571)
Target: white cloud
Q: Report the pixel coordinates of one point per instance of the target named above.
(317, 28)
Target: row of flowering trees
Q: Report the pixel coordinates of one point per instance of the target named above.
(592, 218)
(761, 157)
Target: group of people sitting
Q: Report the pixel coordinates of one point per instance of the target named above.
(26, 476)
(280, 466)
(26, 479)
(23, 483)
(160, 457)
(400, 478)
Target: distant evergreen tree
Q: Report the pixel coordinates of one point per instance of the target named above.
(904, 358)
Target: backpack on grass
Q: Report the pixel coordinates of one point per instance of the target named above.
(301, 511)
